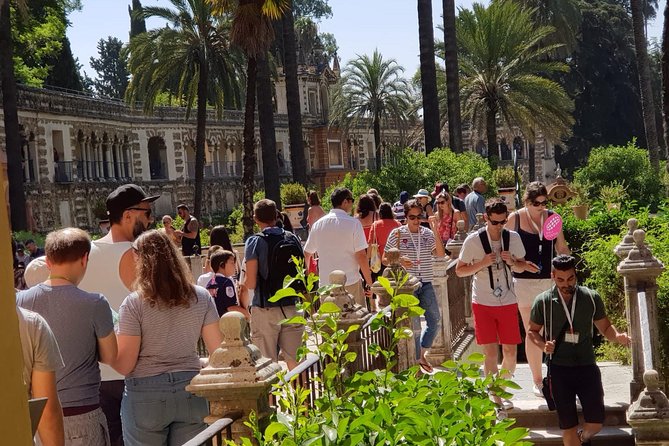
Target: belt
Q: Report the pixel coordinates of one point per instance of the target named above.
(79, 410)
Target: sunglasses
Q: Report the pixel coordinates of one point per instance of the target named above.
(146, 211)
(413, 217)
(536, 203)
(441, 202)
(495, 222)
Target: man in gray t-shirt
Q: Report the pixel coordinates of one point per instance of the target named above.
(82, 324)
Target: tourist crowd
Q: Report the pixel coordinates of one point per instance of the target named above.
(110, 327)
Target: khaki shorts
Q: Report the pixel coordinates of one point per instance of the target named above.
(358, 292)
(269, 335)
(528, 289)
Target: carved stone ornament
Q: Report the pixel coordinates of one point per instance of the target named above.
(652, 403)
(454, 246)
(480, 222)
(627, 243)
(640, 260)
(392, 273)
(340, 297)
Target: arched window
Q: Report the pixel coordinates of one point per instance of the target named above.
(157, 158)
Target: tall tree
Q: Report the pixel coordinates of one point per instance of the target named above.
(66, 70)
(665, 75)
(17, 198)
(647, 103)
(252, 31)
(137, 23)
(297, 156)
(504, 73)
(371, 91)
(111, 67)
(428, 76)
(195, 48)
(452, 77)
(270, 163)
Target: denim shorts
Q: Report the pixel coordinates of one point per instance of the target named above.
(157, 410)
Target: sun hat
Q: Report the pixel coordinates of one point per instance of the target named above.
(422, 193)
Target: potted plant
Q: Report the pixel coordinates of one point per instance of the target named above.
(613, 194)
(579, 201)
(293, 197)
(505, 178)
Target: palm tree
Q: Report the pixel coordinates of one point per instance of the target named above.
(194, 48)
(17, 198)
(371, 91)
(428, 76)
(452, 77)
(643, 68)
(504, 73)
(665, 76)
(252, 32)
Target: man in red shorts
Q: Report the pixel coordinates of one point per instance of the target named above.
(490, 255)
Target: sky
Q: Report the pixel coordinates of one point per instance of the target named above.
(360, 27)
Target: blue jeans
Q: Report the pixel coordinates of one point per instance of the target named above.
(157, 410)
(427, 300)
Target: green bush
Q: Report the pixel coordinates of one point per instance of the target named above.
(504, 176)
(293, 193)
(628, 165)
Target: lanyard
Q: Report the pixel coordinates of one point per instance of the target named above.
(504, 266)
(540, 231)
(570, 316)
(417, 247)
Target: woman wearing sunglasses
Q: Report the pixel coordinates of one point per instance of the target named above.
(528, 222)
(446, 217)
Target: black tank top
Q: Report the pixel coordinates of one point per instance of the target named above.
(187, 244)
(531, 243)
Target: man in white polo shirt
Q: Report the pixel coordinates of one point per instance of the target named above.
(341, 244)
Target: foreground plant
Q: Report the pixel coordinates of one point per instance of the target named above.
(381, 407)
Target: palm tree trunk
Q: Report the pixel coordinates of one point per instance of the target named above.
(17, 198)
(428, 76)
(270, 164)
(452, 78)
(491, 131)
(377, 142)
(665, 76)
(200, 136)
(297, 158)
(532, 160)
(248, 177)
(647, 106)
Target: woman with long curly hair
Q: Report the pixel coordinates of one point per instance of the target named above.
(159, 327)
(446, 216)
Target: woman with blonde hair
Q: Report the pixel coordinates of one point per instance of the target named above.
(446, 216)
(159, 327)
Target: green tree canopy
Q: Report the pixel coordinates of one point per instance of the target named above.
(111, 67)
(504, 73)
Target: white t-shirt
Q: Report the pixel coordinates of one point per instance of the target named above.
(472, 251)
(336, 237)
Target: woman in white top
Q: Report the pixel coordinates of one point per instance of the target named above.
(159, 327)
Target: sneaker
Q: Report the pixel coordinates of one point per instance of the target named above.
(536, 390)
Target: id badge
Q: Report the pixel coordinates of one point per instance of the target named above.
(572, 338)
(497, 292)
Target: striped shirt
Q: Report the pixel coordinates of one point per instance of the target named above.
(168, 335)
(423, 262)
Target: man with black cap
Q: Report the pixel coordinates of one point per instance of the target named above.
(111, 272)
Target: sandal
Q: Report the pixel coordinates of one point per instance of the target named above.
(425, 366)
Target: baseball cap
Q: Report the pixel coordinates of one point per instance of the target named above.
(126, 196)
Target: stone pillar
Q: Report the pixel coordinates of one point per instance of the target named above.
(351, 314)
(455, 245)
(406, 349)
(442, 347)
(238, 377)
(195, 263)
(641, 270)
(649, 415)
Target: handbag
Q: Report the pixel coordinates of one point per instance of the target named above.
(374, 255)
(547, 382)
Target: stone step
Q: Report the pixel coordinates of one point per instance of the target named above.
(533, 414)
(609, 436)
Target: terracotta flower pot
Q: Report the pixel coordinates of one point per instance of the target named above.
(581, 211)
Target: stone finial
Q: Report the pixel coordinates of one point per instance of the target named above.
(480, 222)
(640, 260)
(455, 245)
(652, 403)
(393, 273)
(236, 361)
(461, 235)
(627, 243)
(341, 298)
(393, 256)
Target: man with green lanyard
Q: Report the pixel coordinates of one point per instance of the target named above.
(568, 311)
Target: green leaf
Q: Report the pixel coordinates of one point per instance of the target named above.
(385, 283)
(329, 307)
(294, 320)
(274, 428)
(284, 292)
(350, 356)
(476, 358)
(405, 300)
(330, 433)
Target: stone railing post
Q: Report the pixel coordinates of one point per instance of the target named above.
(649, 415)
(351, 314)
(640, 270)
(454, 246)
(196, 265)
(442, 347)
(238, 377)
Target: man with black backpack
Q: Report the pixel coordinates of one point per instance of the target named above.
(491, 255)
(268, 260)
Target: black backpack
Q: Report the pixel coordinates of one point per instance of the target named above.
(281, 249)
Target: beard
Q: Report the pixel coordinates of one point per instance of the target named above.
(568, 290)
(138, 228)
